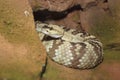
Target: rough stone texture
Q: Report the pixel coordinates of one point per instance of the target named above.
(98, 17)
(61, 5)
(21, 53)
(114, 7)
(51, 4)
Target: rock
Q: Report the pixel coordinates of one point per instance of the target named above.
(61, 5)
(114, 7)
(52, 5)
(97, 17)
(21, 52)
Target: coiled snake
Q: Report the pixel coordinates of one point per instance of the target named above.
(69, 47)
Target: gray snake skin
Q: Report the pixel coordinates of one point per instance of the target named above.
(69, 47)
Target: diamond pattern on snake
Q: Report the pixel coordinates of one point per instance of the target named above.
(70, 48)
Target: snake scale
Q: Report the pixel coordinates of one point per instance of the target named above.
(70, 47)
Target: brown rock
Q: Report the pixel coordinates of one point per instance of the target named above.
(52, 5)
(97, 17)
(114, 7)
(21, 53)
(60, 5)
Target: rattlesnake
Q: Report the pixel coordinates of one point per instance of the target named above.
(70, 47)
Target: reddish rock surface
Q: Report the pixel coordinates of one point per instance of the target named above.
(74, 11)
(99, 17)
(21, 53)
(62, 5)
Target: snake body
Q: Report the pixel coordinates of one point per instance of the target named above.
(69, 47)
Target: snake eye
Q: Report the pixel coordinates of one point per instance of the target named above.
(45, 26)
(51, 28)
(47, 30)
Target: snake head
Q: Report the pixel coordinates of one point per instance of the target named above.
(49, 30)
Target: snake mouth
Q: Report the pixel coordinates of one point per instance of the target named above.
(56, 36)
(52, 35)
